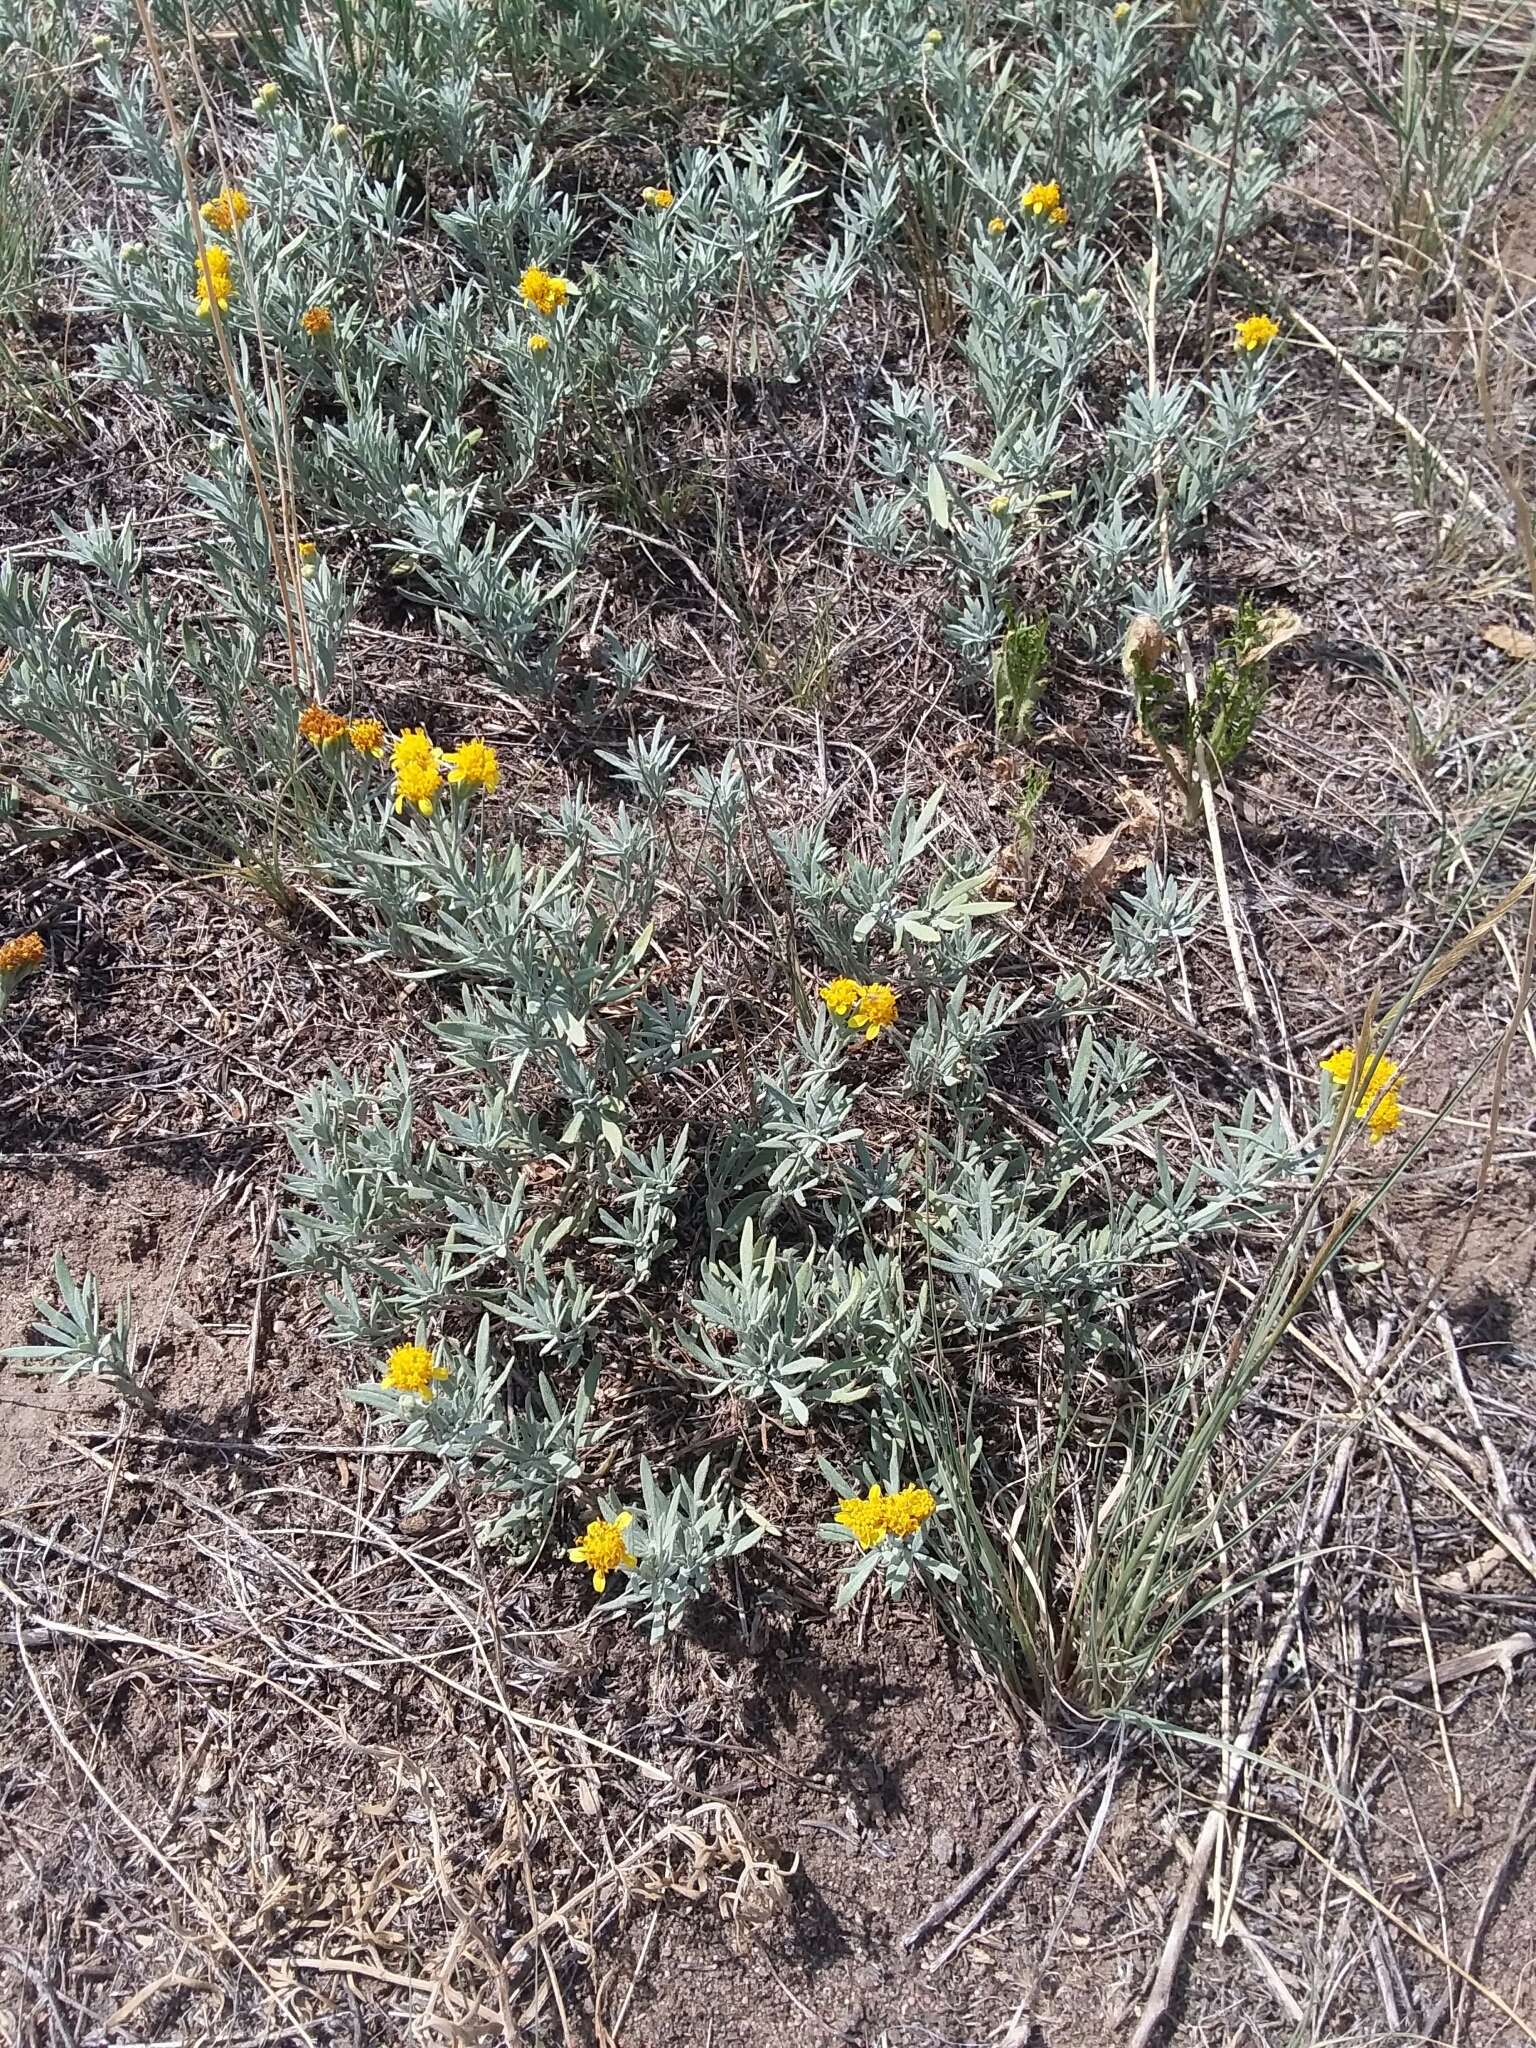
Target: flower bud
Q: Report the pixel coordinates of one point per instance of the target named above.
(1145, 645)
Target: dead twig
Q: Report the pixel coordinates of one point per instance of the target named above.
(973, 1879)
(1161, 1994)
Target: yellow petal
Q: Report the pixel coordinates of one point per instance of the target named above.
(623, 1519)
(599, 1580)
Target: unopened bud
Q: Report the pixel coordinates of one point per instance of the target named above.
(1145, 645)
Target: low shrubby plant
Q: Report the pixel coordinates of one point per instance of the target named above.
(819, 1157)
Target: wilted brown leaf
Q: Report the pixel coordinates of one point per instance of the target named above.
(1103, 862)
(1513, 641)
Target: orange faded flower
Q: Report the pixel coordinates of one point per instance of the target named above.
(20, 955)
(320, 727)
(317, 322)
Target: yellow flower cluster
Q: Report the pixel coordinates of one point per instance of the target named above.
(659, 196)
(20, 955)
(603, 1549)
(537, 343)
(317, 322)
(419, 768)
(1257, 331)
(880, 1515)
(867, 1006)
(474, 766)
(225, 212)
(215, 280)
(1378, 1107)
(412, 1370)
(1045, 201)
(544, 293)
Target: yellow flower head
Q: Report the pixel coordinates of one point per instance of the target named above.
(864, 1518)
(366, 736)
(418, 770)
(1041, 199)
(603, 1549)
(1378, 1107)
(997, 225)
(412, 1370)
(934, 37)
(1000, 506)
(841, 995)
(309, 557)
(659, 196)
(317, 322)
(267, 97)
(544, 293)
(215, 281)
(1058, 216)
(876, 1009)
(537, 343)
(474, 765)
(1257, 331)
(226, 212)
(417, 782)
(20, 955)
(1122, 9)
(320, 727)
(906, 1512)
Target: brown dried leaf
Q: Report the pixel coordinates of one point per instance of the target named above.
(1281, 627)
(1513, 641)
(1102, 863)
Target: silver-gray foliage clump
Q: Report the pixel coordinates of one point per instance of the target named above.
(614, 1166)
